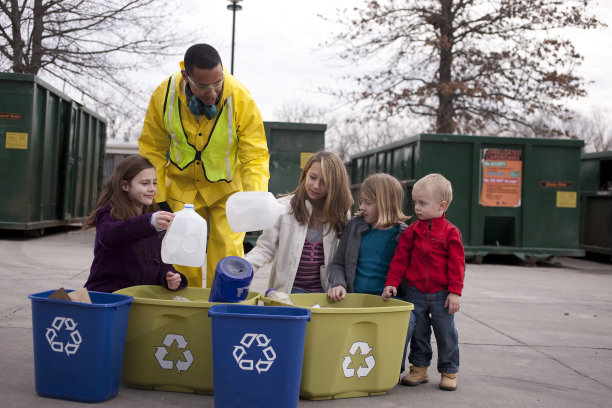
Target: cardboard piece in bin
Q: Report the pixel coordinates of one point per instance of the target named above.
(60, 294)
(80, 295)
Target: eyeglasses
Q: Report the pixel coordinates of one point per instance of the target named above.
(206, 88)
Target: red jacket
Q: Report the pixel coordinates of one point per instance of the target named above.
(430, 257)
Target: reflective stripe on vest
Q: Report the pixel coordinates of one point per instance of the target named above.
(220, 155)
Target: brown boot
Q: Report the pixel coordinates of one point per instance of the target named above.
(448, 382)
(417, 375)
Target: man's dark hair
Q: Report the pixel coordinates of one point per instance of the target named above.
(201, 56)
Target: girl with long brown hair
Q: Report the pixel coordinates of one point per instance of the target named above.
(128, 226)
(301, 245)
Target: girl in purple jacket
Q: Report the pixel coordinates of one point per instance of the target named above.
(128, 226)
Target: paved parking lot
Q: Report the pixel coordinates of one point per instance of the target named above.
(529, 336)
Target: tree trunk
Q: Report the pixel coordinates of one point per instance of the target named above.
(37, 33)
(16, 42)
(446, 111)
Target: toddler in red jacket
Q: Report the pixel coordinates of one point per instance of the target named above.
(430, 260)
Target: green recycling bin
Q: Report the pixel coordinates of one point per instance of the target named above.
(168, 345)
(354, 347)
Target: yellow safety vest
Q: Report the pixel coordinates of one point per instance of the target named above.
(219, 156)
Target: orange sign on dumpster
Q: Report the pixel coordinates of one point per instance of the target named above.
(501, 177)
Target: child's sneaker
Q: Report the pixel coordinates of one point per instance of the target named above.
(417, 375)
(448, 382)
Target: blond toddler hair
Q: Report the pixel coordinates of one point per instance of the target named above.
(437, 185)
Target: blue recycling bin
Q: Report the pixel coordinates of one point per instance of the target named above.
(257, 355)
(78, 347)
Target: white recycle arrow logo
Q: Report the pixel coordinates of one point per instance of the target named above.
(241, 351)
(162, 351)
(70, 326)
(364, 349)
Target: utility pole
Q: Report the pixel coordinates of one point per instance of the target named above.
(234, 6)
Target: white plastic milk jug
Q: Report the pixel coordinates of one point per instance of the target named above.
(280, 296)
(252, 210)
(185, 241)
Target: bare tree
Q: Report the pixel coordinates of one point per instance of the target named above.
(466, 64)
(350, 137)
(345, 134)
(89, 47)
(346, 140)
(594, 128)
(298, 111)
(600, 139)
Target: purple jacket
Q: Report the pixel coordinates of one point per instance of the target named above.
(127, 253)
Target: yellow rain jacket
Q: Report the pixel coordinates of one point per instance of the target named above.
(190, 184)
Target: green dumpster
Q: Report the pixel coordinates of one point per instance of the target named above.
(51, 155)
(511, 195)
(290, 146)
(596, 203)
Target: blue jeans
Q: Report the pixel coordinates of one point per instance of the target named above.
(429, 312)
(408, 335)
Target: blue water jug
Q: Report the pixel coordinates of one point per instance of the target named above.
(233, 276)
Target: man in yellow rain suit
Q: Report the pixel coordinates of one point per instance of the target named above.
(205, 136)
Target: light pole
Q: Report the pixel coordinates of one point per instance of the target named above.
(234, 6)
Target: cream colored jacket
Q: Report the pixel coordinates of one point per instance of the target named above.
(282, 246)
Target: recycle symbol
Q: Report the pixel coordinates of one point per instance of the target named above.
(52, 333)
(362, 371)
(163, 351)
(241, 351)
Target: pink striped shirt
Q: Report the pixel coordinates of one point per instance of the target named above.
(308, 276)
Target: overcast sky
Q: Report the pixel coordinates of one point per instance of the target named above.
(279, 59)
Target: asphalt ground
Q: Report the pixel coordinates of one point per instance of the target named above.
(529, 336)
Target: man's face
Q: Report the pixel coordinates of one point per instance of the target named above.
(206, 84)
